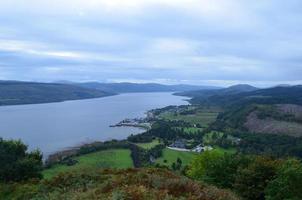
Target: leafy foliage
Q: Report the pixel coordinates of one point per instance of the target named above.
(275, 145)
(16, 164)
(252, 180)
(288, 182)
(252, 177)
(135, 184)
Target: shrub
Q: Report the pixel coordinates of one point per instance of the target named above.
(16, 164)
(288, 182)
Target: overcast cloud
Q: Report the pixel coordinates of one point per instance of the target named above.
(214, 42)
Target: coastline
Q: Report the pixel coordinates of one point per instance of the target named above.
(58, 101)
(112, 135)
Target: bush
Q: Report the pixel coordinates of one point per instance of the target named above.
(288, 182)
(138, 184)
(252, 180)
(16, 164)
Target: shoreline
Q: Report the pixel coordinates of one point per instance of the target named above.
(143, 123)
(61, 101)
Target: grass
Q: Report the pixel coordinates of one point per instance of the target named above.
(171, 156)
(223, 150)
(190, 130)
(149, 145)
(113, 158)
(186, 157)
(203, 117)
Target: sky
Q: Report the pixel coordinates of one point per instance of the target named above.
(202, 42)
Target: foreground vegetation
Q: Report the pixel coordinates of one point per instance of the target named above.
(252, 177)
(16, 163)
(138, 184)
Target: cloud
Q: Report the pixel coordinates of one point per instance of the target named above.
(197, 41)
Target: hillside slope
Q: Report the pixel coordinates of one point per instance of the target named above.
(276, 95)
(280, 119)
(276, 110)
(134, 184)
(232, 90)
(14, 92)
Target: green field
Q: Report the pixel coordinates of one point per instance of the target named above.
(149, 145)
(113, 158)
(190, 130)
(171, 156)
(223, 150)
(203, 117)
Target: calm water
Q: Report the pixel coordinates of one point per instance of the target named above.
(54, 126)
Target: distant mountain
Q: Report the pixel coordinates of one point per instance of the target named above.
(141, 87)
(239, 88)
(235, 89)
(17, 92)
(292, 95)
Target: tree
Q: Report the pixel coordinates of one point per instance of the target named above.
(16, 164)
(179, 161)
(288, 182)
(218, 169)
(202, 163)
(223, 171)
(251, 181)
(173, 166)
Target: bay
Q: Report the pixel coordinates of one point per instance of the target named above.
(55, 126)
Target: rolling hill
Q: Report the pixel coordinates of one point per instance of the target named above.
(205, 93)
(15, 92)
(276, 110)
(275, 95)
(140, 87)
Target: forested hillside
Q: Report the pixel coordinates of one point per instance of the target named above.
(140, 87)
(275, 95)
(14, 92)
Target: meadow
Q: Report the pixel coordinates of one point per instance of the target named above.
(149, 145)
(113, 158)
(170, 156)
(202, 116)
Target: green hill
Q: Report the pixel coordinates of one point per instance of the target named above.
(276, 95)
(281, 119)
(14, 92)
(274, 110)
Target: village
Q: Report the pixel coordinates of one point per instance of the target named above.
(180, 145)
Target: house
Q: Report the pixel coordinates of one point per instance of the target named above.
(180, 143)
(201, 148)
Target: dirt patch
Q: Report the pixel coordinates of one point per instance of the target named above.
(292, 109)
(272, 126)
